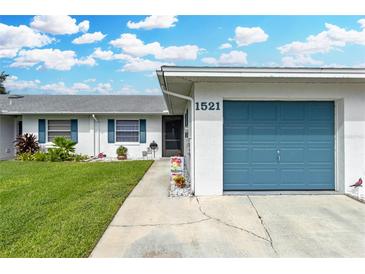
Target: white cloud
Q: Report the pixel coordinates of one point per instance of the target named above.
(132, 64)
(58, 24)
(90, 80)
(84, 26)
(362, 23)
(153, 91)
(187, 52)
(103, 54)
(108, 55)
(14, 38)
(225, 46)
(139, 64)
(297, 61)
(130, 44)
(88, 61)
(8, 53)
(62, 88)
(103, 88)
(12, 83)
(81, 87)
(232, 58)
(50, 59)
(89, 38)
(154, 22)
(59, 88)
(333, 38)
(246, 36)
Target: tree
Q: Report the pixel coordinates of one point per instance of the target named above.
(3, 77)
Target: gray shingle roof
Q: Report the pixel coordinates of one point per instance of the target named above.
(82, 104)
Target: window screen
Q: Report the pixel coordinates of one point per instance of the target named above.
(59, 128)
(127, 130)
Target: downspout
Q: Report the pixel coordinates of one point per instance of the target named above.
(96, 121)
(192, 145)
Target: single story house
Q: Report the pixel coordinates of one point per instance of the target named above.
(98, 123)
(239, 129)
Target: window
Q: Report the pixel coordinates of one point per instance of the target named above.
(186, 118)
(127, 131)
(20, 128)
(59, 128)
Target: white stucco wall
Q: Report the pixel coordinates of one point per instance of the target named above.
(85, 143)
(85, 130)
(350, 127)
(7, 137)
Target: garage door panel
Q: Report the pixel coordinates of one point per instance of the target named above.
(238, 135)
(238, 178)
(292, 176)
(263, 155)
(264, 176)
(292, 155)
(320, 155)
(302, 133)
(237, 155)
(238, 111)
(321, 111)
(263, 133)
(263, 111)
(292, 111)
(320, 134)
(291, 133)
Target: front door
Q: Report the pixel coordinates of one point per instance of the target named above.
(172, 134)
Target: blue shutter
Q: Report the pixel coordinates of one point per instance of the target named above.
(74, 130)
(111, 131)
(41, 131)
(142, 131)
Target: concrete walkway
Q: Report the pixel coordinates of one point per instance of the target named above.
(151, 224)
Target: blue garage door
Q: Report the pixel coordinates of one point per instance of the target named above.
(278, 145)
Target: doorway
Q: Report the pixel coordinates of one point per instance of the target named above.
(172, 135)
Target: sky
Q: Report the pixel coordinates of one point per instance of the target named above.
(119, 54)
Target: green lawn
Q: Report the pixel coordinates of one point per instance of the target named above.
(60, 209)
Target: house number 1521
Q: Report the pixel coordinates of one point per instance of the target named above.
(207, 106)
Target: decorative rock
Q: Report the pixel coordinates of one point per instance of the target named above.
(179, 192)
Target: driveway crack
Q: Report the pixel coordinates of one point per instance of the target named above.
(263, 224)
(227, 224)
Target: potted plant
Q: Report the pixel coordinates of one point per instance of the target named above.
(179, 181)
(122, 152)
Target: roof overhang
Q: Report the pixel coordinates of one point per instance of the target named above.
(180, 79)
(79, 113)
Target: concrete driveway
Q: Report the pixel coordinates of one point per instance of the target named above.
(151, 224)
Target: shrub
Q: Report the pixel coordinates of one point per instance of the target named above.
(40, 156)
(25, 156)
(80, 157)
(26, 143)
(122, 151)
(63, 149)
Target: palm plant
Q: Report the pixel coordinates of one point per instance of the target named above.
(63, 148)
(26, 143)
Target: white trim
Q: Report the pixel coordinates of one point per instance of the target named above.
(263, 72)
